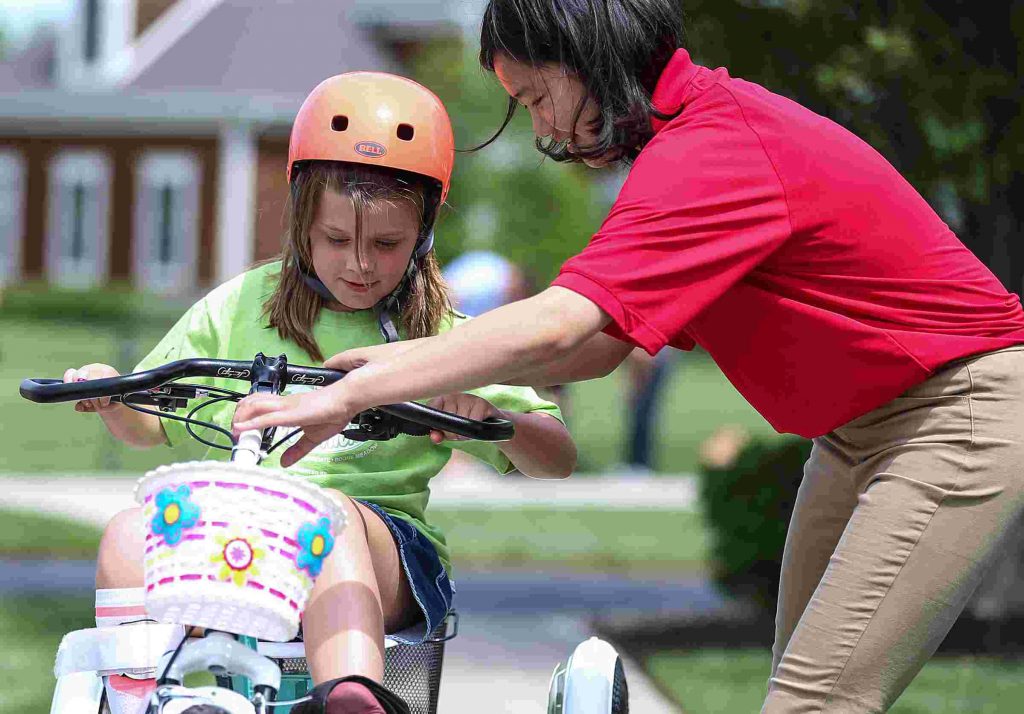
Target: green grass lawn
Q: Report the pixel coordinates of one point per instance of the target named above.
(31, 627)
(53, 437)
(50, 438)
(636, 541)
(711, 682)
(24, 534)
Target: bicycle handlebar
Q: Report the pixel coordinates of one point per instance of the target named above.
(49, 391)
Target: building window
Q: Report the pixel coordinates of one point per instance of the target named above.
(79, 217)
(167, 221)
(12, 211)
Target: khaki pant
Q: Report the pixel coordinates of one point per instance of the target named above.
(895, 521)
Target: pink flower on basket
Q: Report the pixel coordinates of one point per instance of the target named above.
(316, 543)
(174, 513)
(238, 556)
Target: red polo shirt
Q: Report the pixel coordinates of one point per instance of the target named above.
(818, 279)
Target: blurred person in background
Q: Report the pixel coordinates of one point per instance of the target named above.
(824, 286)
(482, 280)
(646, 376)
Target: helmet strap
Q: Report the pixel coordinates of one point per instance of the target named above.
(390, 307)
(387, 309)
(312, 281)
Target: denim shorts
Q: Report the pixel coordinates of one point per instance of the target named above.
(428, 579)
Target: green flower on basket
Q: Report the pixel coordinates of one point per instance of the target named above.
(239, 556)
(316, 543)
(174, 513)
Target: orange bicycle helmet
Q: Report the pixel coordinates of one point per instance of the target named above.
(377, 119)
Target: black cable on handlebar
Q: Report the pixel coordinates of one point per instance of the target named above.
(282, 440)
(208, 402)
(175, 417)
(208, 388)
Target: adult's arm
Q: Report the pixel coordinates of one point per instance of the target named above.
(515, 339)
(595, 358)
(533, 336)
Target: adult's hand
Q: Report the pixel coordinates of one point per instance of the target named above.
(320, 414)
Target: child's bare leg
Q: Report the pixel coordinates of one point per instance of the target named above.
(361, 591)
(119, 563)
(119, 600)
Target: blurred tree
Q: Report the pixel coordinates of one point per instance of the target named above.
(935, 86)
(506, 197)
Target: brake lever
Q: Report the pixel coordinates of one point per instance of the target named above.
(375, 425)
(166, 398)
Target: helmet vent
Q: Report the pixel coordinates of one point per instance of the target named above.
(405, 132)
(339, 123)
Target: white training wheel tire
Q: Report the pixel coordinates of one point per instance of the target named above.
(591, 682)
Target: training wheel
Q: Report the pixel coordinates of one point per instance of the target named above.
(593, 681)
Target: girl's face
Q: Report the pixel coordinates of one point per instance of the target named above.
(359, 279)
(551, 96)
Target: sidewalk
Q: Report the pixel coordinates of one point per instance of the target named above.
(95, 498)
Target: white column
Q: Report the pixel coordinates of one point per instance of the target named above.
(115, 34)
(236, 200)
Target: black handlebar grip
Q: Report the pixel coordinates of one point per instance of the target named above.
(51, 391)
(489, 430)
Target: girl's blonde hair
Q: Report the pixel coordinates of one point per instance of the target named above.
(294, 307)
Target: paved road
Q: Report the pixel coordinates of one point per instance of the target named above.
(514, 627)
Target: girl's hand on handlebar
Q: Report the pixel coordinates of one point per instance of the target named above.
(320, 414)
(465, 405)
(89, 372)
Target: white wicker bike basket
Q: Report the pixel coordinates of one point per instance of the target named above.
(234, 548)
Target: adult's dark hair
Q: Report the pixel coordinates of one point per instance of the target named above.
(618, 49)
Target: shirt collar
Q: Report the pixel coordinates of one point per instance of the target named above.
(672, 84)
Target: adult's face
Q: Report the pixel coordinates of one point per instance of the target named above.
(552, 96)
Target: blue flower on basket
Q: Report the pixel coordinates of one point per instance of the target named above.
(174, 513)
(315, 543)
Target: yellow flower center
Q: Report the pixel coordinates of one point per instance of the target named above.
(317, 546)
(172, 513)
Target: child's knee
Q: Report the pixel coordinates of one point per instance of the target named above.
(119, 561)
(355, 521)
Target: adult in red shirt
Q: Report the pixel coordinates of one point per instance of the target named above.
(827, 290)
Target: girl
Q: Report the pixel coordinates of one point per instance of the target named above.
(824, 286)
(369, 165)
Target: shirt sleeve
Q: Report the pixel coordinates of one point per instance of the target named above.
(701, 208)
(513, 399)
(194, 335)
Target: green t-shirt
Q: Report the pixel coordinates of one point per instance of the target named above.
(229, 324)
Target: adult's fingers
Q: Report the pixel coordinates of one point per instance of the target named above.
(361, 356)
(260, 411)
(348, 360)
(297, 450)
